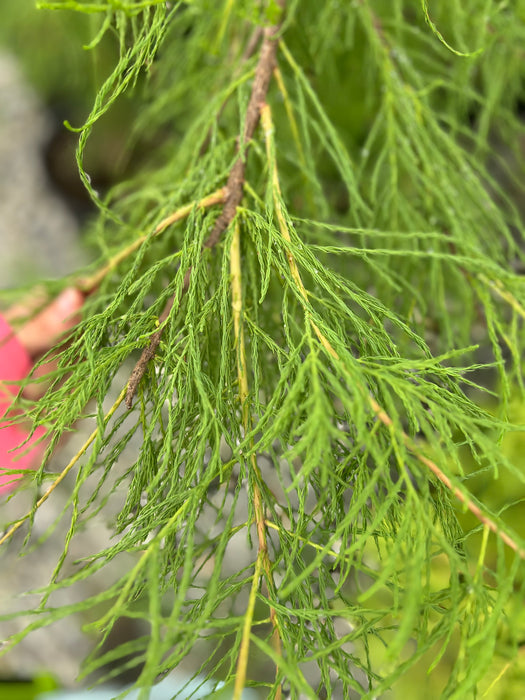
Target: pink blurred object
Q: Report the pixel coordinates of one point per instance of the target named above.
(15, 364)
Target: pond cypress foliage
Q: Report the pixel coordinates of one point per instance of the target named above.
(313, 284)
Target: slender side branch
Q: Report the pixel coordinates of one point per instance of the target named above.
(380, 413)
(234, 187)
(291, 117)
(88, 284)
(63, 473)
(263, 562)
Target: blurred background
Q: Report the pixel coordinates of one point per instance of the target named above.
(47, 77)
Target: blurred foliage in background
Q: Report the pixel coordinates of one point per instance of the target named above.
(53, 51)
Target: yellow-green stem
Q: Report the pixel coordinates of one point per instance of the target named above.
(263, 561)
(242, 662)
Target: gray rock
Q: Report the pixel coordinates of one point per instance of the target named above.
(38, 238)
(38, 234)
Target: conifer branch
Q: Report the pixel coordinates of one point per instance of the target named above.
(263, 562)
(323, 349)
(88, 284)
(234, 189)
(261, 84)
(381, 414)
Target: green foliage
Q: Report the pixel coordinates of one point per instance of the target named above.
(380, 232)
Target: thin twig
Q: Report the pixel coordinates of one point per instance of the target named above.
(234, 189)
(63, 473)
(242, 662)
(380, 413)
